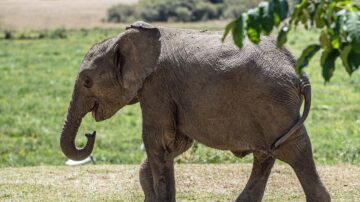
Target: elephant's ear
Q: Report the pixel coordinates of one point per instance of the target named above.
(137, 52)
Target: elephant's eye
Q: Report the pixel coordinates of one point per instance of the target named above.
(87, 83)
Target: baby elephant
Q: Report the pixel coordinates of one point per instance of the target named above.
(191, 86)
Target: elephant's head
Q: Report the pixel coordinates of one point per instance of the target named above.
(110, 77)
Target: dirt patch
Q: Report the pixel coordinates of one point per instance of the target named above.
(216, 182)
(50, 14)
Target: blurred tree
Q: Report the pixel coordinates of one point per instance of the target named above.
(338, 20)
(179, 10)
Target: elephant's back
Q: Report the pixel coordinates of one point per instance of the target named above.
(201, 59)
(204, 49)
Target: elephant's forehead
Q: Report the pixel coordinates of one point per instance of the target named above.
(95, 63)
(99, 50)
(97, 54)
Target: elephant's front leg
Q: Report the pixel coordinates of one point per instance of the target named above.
(161, 162)
(146, 181)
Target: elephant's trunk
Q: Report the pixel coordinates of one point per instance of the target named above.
(68, 134)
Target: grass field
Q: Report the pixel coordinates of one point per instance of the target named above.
(201, 183)
(36, 82)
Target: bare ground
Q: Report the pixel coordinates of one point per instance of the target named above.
(214, 182)
(51, 14)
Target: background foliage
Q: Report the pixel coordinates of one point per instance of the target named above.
(338, 20)
(37, 76)
(179, 10)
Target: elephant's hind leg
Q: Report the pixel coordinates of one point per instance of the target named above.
(255, 187)
(297, 153)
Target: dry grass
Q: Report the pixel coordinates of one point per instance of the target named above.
(194, 183)
(51, 14)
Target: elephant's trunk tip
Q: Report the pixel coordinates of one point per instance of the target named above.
(71, 152)
(91, 136)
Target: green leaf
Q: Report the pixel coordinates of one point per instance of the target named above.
(238, 31)
(350, 59)
(328, 58)
(277, 20)
(354, 60)
(266, 11)
(335, 30)
(330, 11)
(284, 9)
(276, 14)
(305, 16)
(282, 36)
(227, 30)
(335, 41)
(319, 19)
(344, 3)
(352, 27)
(253, 26)
(312, 11)
(295, 14)
(325, 40)
(303, 4)
(281, 8)
(344, 58)
(306, 56)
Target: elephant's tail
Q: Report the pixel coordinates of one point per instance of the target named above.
(305, 89)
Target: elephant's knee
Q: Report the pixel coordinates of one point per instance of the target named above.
(182, 144)
(145, 166)
(295, 149)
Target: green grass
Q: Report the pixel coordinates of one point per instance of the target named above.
(36, 79)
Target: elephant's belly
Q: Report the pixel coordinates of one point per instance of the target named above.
(237, 127)
(236, 117)
(225, 133)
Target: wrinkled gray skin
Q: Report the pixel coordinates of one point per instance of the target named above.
(193, 87)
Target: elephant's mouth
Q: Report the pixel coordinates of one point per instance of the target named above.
(94, 109)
